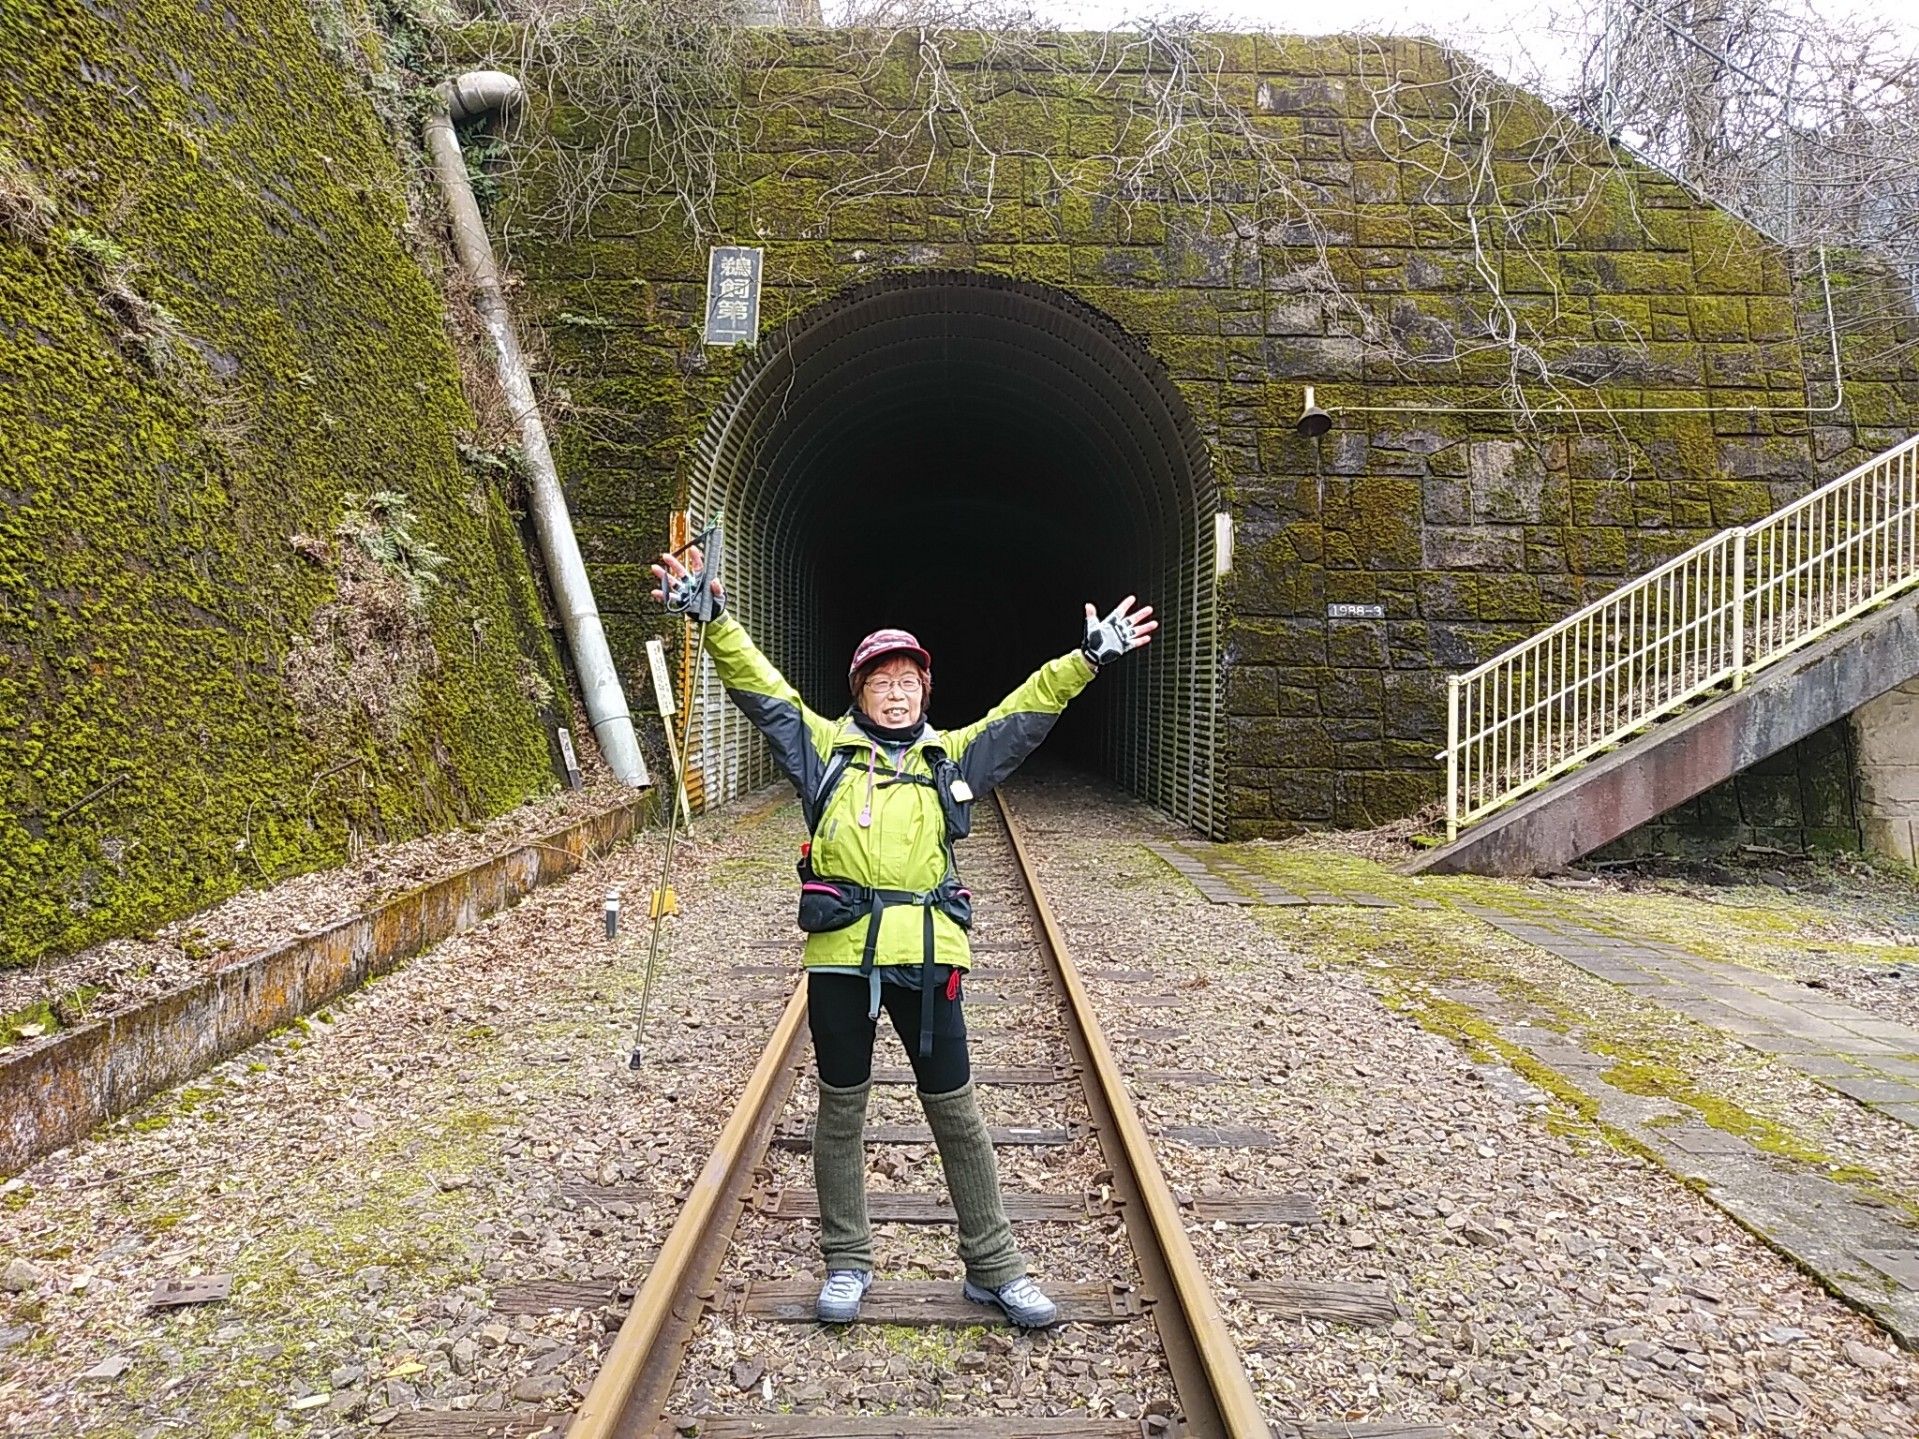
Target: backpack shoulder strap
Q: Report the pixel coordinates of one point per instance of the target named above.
(814, 806)
(842, 759)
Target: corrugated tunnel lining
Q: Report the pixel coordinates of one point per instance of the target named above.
(975, 455)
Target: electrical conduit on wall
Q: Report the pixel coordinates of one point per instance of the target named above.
(479, 92)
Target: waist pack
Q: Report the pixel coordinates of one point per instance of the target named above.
(830, 904)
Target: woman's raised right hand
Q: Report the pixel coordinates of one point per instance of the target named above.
(670, 571)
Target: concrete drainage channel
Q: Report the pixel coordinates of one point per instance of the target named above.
(56, 1093)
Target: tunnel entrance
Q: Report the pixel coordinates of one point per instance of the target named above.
(970, 458)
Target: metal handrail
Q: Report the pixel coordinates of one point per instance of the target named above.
(1731, 605)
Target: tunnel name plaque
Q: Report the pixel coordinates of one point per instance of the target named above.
(733, 294)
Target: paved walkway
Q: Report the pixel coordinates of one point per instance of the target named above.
(1859, 1054)
(1221, 879)
(1857, 1245)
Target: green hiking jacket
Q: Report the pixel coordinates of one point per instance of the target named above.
(901, 849)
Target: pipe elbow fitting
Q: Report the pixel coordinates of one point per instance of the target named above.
(480, 92)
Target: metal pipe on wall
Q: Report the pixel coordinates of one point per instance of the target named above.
(476, 93)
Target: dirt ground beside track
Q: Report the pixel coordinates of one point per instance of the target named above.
(375, 1178)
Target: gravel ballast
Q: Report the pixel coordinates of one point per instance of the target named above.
(1550, 1284)
(376, 1177)
(380, 1179)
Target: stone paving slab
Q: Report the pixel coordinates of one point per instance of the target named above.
(1790, 1044)
(1222, 880)
(1861, 1250)
(1833, 1010)
(1823, 1066)
(1568, 1057)
(1881, 1029)
(1901, 1266)
(1703, 1139)
(1848, 1049)
(1874, 1091)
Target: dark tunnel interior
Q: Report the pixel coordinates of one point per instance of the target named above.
(971, 459)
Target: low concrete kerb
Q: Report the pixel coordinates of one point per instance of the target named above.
(56, 1093)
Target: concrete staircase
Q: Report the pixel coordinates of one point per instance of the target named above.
(1682, 678)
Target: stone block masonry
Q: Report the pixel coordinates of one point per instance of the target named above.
(1334, 248)
(1887, 735)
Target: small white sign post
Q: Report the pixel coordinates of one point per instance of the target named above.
(663, 697)
(573, 777)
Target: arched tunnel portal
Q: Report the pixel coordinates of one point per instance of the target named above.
(970, 458)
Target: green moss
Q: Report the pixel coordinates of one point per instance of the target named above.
(730, 873)
(1654, 1078)
(1755, 925)
(929, 1350)
(177, 1104)
(148, 592)
(1656, 1052)
(29, 1022)
(1216, 269)
(399, 1221)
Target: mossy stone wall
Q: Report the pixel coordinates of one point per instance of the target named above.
(224, 167)
(1803, 798)
(1471, 530)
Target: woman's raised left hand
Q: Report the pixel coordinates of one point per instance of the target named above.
(1124, 629)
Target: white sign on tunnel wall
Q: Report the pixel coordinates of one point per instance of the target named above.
(733, 294)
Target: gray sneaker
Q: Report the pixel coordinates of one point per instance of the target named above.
(840, 1296)
(1020, 1299)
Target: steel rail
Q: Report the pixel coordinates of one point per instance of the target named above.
(638, 1371)
(1214, 1389)
(628, 1398)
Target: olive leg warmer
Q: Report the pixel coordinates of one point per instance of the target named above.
(839, 1174)
(972, 1175)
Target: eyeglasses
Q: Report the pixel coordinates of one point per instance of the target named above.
(906, 688)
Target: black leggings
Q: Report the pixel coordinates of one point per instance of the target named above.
(843, 1035)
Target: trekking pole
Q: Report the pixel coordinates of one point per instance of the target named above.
(693, 597)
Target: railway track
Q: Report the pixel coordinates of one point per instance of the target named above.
(1082, 1187)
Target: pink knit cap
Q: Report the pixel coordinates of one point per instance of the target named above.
(887, 642)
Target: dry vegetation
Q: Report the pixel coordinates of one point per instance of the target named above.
(1808, 127)
(369, 650)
